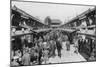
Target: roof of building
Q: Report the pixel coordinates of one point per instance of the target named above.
(26, 15)
(56, 22)
(80, 16)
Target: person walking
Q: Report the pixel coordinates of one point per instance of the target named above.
(59, 47)
(76, 45)
(26, 58)
(68, 45)
(52, 48)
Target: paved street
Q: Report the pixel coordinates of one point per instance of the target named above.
(67, 56)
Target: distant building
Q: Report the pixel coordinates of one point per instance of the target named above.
(55, 23)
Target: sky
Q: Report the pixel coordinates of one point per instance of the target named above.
(55, 11)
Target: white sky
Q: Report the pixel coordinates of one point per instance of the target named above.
(55, 11)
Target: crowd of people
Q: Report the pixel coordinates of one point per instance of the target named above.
(26, 50)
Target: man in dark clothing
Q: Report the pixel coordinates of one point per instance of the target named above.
(40, 52)
(40, 55)
(59, 47)
(80, 44)
(68, 45)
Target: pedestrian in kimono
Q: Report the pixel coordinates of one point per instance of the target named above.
(68, 45)
(59, 47)
(26, 58)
